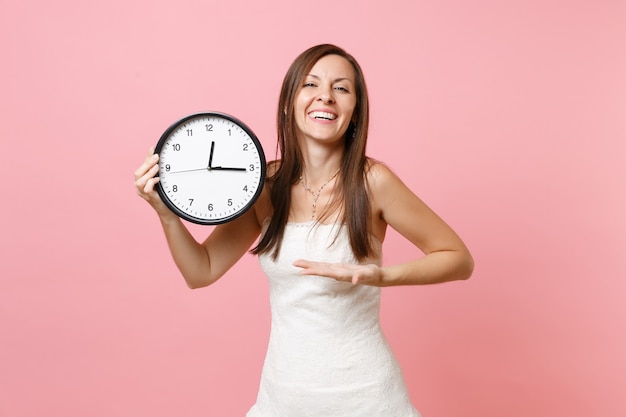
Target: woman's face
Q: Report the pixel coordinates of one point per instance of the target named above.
(325, 104)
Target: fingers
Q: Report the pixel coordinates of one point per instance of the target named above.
(145, 182)
(146, 186)
(149, 163)
(315, 268)
(145, 179)
(339, 272)
(354, 273)
(301, 263)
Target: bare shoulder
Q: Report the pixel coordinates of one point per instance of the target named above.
(391, 199)
(378, 173)
(382, 183)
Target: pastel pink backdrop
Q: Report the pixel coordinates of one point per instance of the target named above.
(506, 117)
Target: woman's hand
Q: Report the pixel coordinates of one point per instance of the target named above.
(145, 181)
(369, 274)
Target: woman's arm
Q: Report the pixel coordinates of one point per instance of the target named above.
(446, 258)
(201, 264)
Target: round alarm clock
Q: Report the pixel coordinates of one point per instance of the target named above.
(211, 168)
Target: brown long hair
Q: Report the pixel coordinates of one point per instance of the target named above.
(351, 188)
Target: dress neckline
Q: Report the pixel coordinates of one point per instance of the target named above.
(311, 223)
(305, 223)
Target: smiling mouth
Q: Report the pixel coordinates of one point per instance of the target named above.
(322, 115)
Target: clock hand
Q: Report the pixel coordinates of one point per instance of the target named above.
(227, 169)
(211, 154)
(209, 169)
(189, 170)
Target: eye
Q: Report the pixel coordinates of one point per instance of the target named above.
(342, 89)
(309, 84)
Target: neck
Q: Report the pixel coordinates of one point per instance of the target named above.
(320, 164)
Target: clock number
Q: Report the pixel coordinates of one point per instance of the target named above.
(176, 146)
(209, 128)
(175, 188)
(245, 147)
(245, 188)
(167, 168)
(229, 134)
(210, 207)
(190, 201)
(230, 201)
(251, 167)
(189, 132)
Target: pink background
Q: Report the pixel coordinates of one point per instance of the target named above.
(507, 117)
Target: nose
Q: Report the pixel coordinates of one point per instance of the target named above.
(326, 96)
(326, 99)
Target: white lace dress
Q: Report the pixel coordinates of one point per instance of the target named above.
(327, 355)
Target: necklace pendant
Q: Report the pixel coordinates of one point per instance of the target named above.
(316, 194)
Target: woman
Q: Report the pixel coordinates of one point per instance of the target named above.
(321, 220)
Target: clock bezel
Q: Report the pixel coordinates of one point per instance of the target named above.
(203, 221)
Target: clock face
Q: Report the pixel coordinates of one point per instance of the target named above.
(211, 168)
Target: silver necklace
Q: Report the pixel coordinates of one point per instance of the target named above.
(316, 194)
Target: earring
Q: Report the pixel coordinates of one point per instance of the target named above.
(353, 129)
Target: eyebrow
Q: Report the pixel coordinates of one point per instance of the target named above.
(334, 81)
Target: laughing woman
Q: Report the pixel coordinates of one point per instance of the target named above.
(318, 226)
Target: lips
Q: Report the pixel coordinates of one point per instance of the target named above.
(322, 115)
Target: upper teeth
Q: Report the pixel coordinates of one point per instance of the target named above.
(323, 115)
